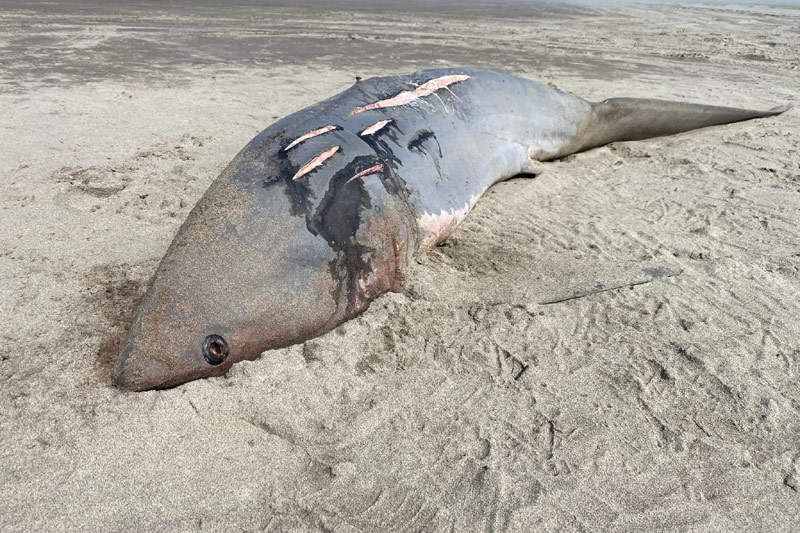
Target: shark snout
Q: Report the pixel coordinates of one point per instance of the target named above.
(135, 371)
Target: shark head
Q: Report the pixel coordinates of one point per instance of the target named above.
(243, 275)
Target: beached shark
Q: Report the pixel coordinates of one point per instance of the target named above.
(321, 212)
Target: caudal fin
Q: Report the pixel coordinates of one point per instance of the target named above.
(634, 119)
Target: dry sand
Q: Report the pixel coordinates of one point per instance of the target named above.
(468, 403)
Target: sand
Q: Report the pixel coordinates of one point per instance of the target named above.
(613, 345)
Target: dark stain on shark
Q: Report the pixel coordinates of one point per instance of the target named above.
(418, 140)
(381, 147)
(338, 219)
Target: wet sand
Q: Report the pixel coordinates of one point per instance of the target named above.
(610, 346)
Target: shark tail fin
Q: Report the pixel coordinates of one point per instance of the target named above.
(634, 119)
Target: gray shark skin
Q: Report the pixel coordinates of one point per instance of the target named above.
(320, 213)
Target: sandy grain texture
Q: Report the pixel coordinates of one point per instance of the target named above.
(614, 345)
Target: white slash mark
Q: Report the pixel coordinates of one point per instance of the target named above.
(406, 97)
(308, 135)
(370, 170)
(369, 130)
(316, 161)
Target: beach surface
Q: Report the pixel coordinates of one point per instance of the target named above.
(611, 346)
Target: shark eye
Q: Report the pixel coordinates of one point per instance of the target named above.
(215, 349)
